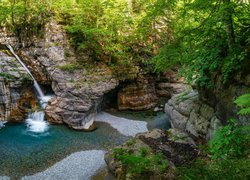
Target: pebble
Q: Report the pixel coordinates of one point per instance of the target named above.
(124, 126)
(77, 166)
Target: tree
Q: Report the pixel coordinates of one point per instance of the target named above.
(210, 38)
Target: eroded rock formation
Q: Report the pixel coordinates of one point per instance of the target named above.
(167, 84)
(145, 92)
(78, 88)
(16, 96)
(188, 113)
(139, 95)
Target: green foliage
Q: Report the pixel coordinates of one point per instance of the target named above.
(7, 76)
(222, 169)
(229, 150)
(119, 33)
(141, 163)
(26, 18)
(70, 67)
(126, 35)
(230, 141)
(243, 102)
(205, 43)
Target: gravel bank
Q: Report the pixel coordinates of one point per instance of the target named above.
(124, 126)
(77, 166)
(4, 178)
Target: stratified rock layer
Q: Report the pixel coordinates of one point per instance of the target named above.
(16, 94)
(139, 95)
(168, 84)
(78, 88)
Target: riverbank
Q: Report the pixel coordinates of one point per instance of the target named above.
(79, 165)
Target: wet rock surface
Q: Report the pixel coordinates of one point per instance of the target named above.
(16, 96)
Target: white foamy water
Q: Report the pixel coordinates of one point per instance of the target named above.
(35, 121)
(44, 101)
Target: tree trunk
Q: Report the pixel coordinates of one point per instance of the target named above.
(228, 20)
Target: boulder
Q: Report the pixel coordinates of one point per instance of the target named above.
(188, 113)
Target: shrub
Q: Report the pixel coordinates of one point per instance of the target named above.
(70, 67)
(7, 76)
(142, 163)
(244, 103)
(230, 141)
(221, 169)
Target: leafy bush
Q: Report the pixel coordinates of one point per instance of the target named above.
(230, 141)
(244, 103)
(140, 164)
(221, 169)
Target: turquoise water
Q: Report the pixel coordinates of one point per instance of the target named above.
(25, 153)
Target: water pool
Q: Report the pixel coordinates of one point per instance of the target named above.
(25, 153)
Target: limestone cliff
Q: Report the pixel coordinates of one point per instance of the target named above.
(78, 88)
(16, 95)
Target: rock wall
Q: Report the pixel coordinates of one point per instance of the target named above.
(16, 96)
(79, 84)
(146, 91)
(188, 113)
(222, 96)
(139, 95)
(78, 88)
(202, 113)
(167, 84)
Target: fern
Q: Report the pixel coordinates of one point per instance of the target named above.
(244, 111)
(243, 102)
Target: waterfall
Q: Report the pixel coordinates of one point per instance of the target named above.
(35, 121)
(36, 85)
